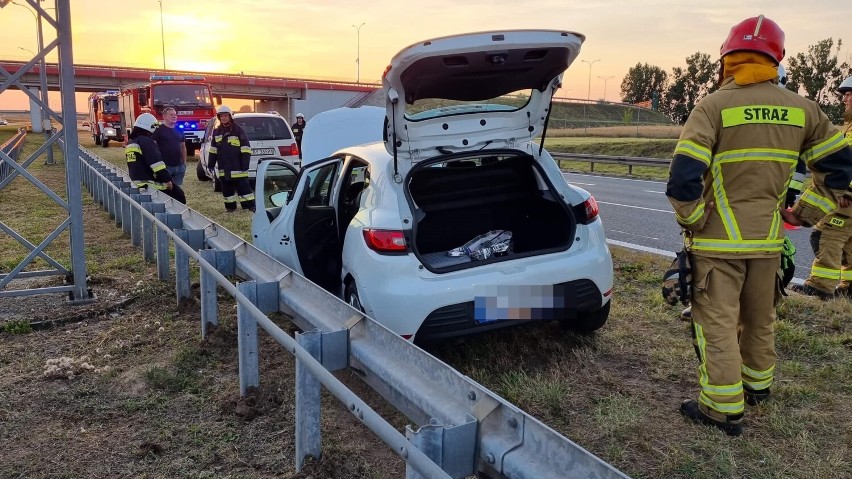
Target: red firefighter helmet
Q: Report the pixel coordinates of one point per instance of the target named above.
(756, 34)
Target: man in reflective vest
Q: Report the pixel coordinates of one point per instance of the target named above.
(832, 236)
(727, 183)
(144, 163)
(231, 150)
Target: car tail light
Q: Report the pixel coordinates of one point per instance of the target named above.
(291, 150)
(587, 211)
(385, 241)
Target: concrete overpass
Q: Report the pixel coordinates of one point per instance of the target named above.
(286, 95)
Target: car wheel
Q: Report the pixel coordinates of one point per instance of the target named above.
(217, 185)
(200, 173)
(104, 142)
(96, 139)
(590, 322)
(352, 296)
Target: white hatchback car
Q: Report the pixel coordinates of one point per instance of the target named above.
(269, 134)
(383, 224)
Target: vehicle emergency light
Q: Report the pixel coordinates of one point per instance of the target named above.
(177, 77)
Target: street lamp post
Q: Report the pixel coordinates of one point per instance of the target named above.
(42, 74)
(589, 94)
(605, 79)
(358, 51)
(162, 35)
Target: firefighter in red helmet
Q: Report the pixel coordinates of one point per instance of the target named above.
(727, 183)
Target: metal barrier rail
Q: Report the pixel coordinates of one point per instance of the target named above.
(465, 429)
(11, 148)
(630, 161)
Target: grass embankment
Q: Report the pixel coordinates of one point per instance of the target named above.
(168, 405)
(610, 146)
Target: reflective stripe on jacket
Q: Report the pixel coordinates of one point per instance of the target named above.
(739, 151)
(144, 163)
(842, 217)
(231, 150)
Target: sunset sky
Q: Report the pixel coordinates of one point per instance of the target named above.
(316, 38)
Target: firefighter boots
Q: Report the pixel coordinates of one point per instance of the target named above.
(809, 290)
(755, 397)
(732, 424)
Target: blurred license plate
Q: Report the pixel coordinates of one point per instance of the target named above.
(263, 151)
(517, 303)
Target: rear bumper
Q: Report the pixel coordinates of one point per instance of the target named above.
(580, 296)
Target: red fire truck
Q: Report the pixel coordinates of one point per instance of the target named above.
(104, 120)
(189, 95)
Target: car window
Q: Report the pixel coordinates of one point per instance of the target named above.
(264, 128)
(278, 179)
(321, 181)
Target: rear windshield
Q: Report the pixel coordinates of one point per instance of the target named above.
(262, 128)
(438, 107)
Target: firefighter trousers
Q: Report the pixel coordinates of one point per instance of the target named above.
(237, 190)
(727, 295)
(832, 244)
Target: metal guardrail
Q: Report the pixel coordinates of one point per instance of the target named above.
(630, 161)
(9, 150)
(464, 428)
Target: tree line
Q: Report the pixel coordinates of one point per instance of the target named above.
(815, 74)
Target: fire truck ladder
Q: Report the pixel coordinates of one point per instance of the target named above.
(75, 277)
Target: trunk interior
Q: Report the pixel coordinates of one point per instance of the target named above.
(457, 200)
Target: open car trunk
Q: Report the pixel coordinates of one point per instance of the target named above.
(456, 200)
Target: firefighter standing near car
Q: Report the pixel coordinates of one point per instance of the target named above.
(788, 266)
(299, 130)
(144, 162)
(230, 148)
(832, 236)
(727, 183)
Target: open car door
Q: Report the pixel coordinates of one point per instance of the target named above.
(297, 224)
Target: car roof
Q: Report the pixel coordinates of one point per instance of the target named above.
(257, 114)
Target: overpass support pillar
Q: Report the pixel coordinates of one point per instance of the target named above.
(281, 106)
(35, 113)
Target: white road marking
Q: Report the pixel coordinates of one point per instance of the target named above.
(584, 184)
(638, 247)
(637, 207)
(667, 254)
(658, 192)
(634, 234)
(565, 173)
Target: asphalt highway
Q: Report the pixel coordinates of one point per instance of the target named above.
(637, 214)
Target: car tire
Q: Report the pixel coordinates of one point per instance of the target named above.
(96, 139)
(352, 296)
(200, 173)
(217, 185)
(589, 322)
(104, 142)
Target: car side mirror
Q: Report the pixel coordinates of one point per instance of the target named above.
(280, 198)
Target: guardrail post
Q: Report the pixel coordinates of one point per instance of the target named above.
(114, 200)
(224, 262)
(126, 207)
(195, 240)
(308, 395)
(136, 218)
(265, 297)
(171, 220)
(452, 448)
(148, 230)
(630, 170)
